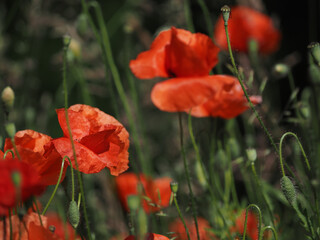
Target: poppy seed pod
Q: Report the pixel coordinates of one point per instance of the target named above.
(7, 97)
(225, 13)
(174, 187)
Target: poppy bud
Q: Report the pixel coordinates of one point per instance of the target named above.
(315, 51)
(74, 214)
(281, 70)
(10, 129)
(289, 191)
(225, 13)
(7, 97)
(66, 40)
(82, 24)
(133, 202)
(174, 187)
(251, 154)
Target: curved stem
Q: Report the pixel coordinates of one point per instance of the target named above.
(180, 215)
(5, 154)
(56, 187)
(187, 172)
(301, 148)
(271, 229)
(245, 91)
(246, 221)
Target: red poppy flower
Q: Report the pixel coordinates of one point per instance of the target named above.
(245, 24)
(31, 147)
(28, 228)
(100, 140)
(127, 184)
(176, 53)
(180, 233)
(252, 225)
(149, 236)
(62, 229)
(189, 58)
(29, 179)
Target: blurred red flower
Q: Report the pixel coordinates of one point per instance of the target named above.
(30, 228)
(188, 58)
(127, 184)
(31, 147)
(150, 236)
(180, 233)
(246, 24)
(100, 140)
(252, 225)
(26, 177)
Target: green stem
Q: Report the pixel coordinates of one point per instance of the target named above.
(207, 18)
(188, 15)
(66, 44)
(106, 47)
(187, 172)
(38, 210)
(56, 187)
(246, 221)
(301, 148)
(245, 91)
(15, 148)
(262, 192)
(271, 229)
(5, 154)
(180, 215)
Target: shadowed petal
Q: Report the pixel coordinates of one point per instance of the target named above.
(181, 94)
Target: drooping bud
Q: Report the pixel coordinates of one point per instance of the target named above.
(225, 13)
(82, 24)
(7, 97)
(74, 214)
(289, 191)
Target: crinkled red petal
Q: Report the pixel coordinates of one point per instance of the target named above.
(191, 54)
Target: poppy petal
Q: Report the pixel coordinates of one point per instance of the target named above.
(225, 104)
(161, 188)
(152, 63)
(88, 161)
(191, 54)
(181, 94)
(31, 147)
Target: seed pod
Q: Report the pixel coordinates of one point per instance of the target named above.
(289, 191)
(74, 214)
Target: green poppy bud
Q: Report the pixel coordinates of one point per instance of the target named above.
(10, 129)
(281, 70)
(289, 191)
(82, 24)
(174, 187)
(74, 214)
(133, 202)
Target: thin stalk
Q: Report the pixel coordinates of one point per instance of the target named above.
(188, 15)
(66, 44)
(106, 47)
(301, 148)
(55, 188)
(245, 91)
(38, 210)
(246, 221)
(207, 18)
(10, 225)
(187, 172)
(180, 215)
(15, 148)
(272, 230)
